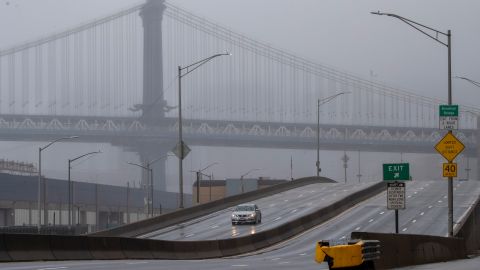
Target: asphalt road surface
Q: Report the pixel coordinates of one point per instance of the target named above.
(276, 210)
(426, 213)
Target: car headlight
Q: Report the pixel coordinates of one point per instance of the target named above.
(234, 216)
(252, 215)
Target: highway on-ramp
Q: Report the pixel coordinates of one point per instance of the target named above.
(426, 213)
(276, 210)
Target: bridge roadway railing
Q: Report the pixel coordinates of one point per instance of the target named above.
(52, 247)
(221, 133)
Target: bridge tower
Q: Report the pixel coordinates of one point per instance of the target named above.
(153, 106)
(153, 99)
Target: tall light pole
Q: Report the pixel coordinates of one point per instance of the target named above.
(245, 174)
(319, 103)
(423, 29)
(182, 72)
(150, 174)
(199, 174)
(70, 189)
(150, 186)
(39, 194)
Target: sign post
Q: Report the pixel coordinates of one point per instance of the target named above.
(393, 173)
(449, 147)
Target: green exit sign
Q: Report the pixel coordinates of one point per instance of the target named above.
(396, 171)
(448, 110)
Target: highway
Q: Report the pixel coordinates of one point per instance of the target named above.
(276, 210)
(426, 213)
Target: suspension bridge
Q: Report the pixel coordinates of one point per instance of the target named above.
(115, 80)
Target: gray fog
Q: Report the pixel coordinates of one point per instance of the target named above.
(337, 33)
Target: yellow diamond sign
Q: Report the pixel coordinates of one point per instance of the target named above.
(449, 147)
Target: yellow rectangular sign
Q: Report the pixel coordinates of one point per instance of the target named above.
(449, 169)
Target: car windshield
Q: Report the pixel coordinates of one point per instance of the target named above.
(244, 208)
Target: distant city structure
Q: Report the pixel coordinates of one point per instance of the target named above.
(95, 206)
(15, 167)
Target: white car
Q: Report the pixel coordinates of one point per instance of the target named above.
(246, 213)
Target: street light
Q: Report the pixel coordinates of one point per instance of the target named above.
(149, 169)
(321, 102)
(40, 149)
(469, 80)
(245, 174)
(423, 29)
(150, 172)
(70, 189)
(199, 173)
(182, 72)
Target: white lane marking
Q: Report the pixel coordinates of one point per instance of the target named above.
(189, 235)
(283, 262)
(358, 228)
(53, 268)
(274, 259)
(440, 201)
(445, 196)
(381, 213)
(370, 220)
(214, 227)
(430, 206)
(133, 263)
(413, 221)
(301, 195)
(343, 237)
(294, 210)
(415, 192)
(302, 254)
(278, 218)
(409, 196)
(422, 213)
(239, 265)
(285, 200)
(404, 229)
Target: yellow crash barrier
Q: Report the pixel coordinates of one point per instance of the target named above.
(353, 254)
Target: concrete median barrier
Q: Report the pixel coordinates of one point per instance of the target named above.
(209, 249)
(24, 247)
(4, 257)
(399, 250)
(135, 248)
(106, 248)
(70, 247)
(161, 249)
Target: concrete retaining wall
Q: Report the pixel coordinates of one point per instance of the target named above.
(44, 247)
(157, 223)
(469, 229)
(399, 250)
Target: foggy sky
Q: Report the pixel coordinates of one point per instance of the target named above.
(338, 33)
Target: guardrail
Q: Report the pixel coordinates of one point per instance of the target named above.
(182, 215)
(14, 247)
